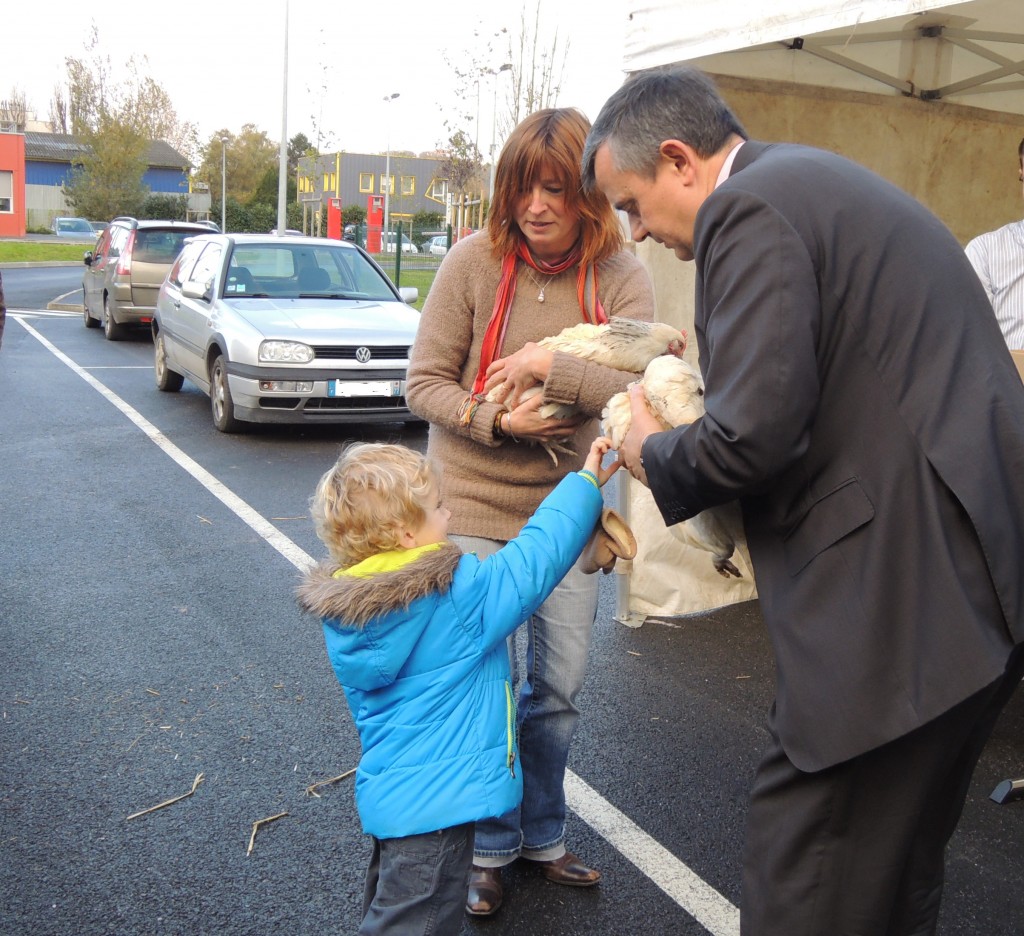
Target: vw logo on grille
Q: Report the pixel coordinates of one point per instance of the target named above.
(363, 355)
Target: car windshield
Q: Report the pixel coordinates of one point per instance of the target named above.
(296, 271)
(73, 226)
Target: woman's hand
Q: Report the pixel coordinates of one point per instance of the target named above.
(525, 422)
(530, 365)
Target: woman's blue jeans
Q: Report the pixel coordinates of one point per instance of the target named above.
(558, 642)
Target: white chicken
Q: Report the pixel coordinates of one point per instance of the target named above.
(675, 395)
(625, 344)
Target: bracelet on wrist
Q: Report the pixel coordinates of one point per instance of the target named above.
(496, 430)
(510, 433)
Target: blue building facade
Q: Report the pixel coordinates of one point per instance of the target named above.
(49, 158)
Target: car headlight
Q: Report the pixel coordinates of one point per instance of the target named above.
(285, 352)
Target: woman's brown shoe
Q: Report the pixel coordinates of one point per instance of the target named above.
(485, 891)
(569, 870)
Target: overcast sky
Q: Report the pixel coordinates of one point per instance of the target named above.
(222, 61)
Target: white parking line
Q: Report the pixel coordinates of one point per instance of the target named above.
(295, 555)
(694, 895)
(698, 898)
(43, 313)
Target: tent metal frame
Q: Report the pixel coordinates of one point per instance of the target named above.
(966, 39)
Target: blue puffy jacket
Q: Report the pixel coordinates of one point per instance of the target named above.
(420, 652)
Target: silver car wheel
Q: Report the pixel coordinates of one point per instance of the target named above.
(90, 322)
(111, 329)
(166, 379)
(221, 404)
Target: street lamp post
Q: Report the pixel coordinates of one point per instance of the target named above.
(494, 120)
(387, 176)
(223, 183)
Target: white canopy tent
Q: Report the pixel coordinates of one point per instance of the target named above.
(927, 54)
(969, 52)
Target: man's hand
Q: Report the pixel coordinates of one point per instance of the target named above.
(642, 424)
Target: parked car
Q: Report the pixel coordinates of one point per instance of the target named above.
(72, 227)
(408, 247)
(284, 330)
(124, 272)
(99, 226)
(437, 246)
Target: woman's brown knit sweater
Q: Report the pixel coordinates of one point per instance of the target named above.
(493, 486)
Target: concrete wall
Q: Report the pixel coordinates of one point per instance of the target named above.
(44, 203)
(961, 162)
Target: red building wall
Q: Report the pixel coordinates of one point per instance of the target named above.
(12, 159)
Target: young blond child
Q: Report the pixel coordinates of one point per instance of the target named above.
(416, 631)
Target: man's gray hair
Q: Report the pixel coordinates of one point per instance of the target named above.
(674, 103)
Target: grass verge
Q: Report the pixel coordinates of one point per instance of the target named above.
(31, 252)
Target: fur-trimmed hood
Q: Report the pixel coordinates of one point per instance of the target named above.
(354, 601)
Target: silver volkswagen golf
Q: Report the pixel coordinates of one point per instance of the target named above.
(284, 330)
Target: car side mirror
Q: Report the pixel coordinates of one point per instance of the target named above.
(87, 259)
(194, 289)
(409, 294)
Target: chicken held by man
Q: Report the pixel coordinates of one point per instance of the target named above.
(675, 395)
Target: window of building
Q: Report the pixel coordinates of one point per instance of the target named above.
(6, 192)
(329, 178)
(437, 191)
(366, 182)
(408, 185)
(390, 182)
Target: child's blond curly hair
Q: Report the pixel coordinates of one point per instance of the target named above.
(372, 493)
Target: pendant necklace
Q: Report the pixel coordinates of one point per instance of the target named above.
(541, 286)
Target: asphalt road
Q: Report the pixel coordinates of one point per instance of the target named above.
(150, 638)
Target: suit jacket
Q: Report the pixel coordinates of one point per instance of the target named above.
(862, 405)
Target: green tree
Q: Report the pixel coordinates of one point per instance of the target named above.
(266, 191)
(249, 156)
(298, 146)
(106, 178)
(354, 214)
(165, 207)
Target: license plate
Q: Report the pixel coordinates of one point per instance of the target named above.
(365, 388)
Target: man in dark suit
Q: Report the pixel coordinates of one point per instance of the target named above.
(862, 406)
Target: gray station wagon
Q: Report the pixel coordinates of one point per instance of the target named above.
(123, 272)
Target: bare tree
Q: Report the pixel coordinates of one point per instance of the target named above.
(537, 65)
(59, 120)
(538, 69)
(14, 111)
(114, 115)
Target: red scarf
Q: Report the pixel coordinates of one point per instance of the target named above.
(494, 336)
